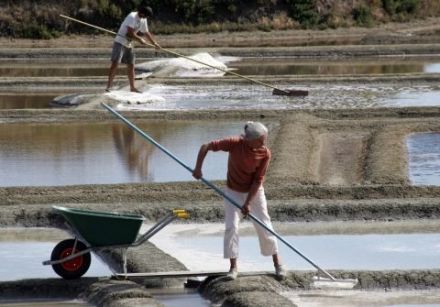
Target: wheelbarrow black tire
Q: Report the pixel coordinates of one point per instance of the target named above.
(74, 268)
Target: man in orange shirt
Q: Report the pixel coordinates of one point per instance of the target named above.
(247, 164)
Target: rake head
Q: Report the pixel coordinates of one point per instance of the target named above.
(290, 92)
(319, 282)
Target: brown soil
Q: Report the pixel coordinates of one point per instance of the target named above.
(418, 31)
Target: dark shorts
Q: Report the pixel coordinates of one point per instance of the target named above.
(122, 54)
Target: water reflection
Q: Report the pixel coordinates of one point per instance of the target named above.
(102, 153)
(56, 70)
(30, 101)
(424, 158)
(246, 66)
(132, 150)
(346, 68)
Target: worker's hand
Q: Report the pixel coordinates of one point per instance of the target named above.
(143, 41)
(157, 45)
(245, 209)
(197, 173)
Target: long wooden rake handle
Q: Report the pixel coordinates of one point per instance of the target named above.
(215, 188)
(183, 56)
(87, 24)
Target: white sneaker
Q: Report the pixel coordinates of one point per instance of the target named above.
(232, 274)
(280, 271)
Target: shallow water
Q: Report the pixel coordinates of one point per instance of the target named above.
(23, 260)
(350, 252)
(43, 303)
(232, 97)
(424, 158)
(378, 66)
(335, 298)
(40, 68)
(251, 95)
(243, 66)
(414, 97)
(22, 251)
(95, 153)
(180, 298)
(26, 101)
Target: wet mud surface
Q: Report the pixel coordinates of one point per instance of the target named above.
(328, 165)
(247, 290)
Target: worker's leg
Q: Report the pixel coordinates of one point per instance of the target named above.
(130, 73)
(268, 242)
(116, 57)
(111, 75)
(232, 219)
(129, 58)
(276, 260)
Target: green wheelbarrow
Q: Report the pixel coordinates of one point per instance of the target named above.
(94, 230)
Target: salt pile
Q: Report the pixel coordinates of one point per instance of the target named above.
(131, 98)
(182, 67)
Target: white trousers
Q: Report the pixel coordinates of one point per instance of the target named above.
(258, 208)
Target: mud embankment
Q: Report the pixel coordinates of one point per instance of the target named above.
(246, 291)
(325, 162)
(292, 210)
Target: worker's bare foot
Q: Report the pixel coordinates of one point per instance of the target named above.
(135, 90)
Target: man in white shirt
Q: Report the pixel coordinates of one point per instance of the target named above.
(132, 28)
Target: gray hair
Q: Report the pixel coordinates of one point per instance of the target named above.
(254, 130)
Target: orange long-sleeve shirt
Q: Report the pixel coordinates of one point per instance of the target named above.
(246, 166)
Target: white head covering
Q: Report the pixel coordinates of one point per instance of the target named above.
(254, 130)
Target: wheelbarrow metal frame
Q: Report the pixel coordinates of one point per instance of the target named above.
(170, 217)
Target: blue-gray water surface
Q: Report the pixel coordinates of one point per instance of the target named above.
(350, 252)
(180, 298)
(104, 153)
(424, 158)
(23, 260)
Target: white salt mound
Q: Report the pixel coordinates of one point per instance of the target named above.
(133, 98)
(182, 67)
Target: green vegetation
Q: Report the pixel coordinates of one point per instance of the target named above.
(37, 31)
(40, 19)
(399, 7)
(304, 11)
(362, 16)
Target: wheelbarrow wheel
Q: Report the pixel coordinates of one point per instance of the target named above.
(74, 268)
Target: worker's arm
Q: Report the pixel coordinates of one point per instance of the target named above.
(256, 184)
(150, 37)
(252, 192)
(197, 173)
(134, 36)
